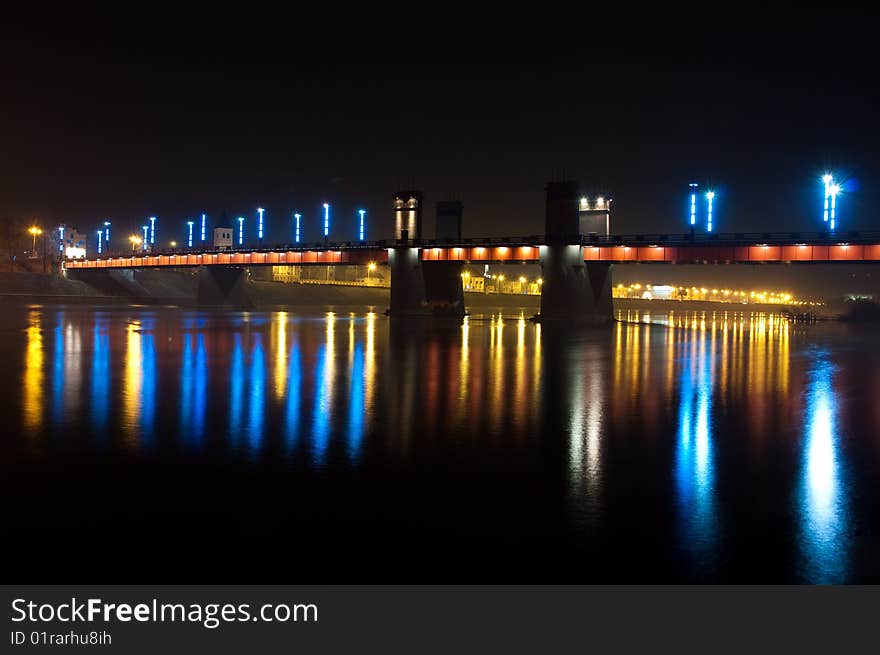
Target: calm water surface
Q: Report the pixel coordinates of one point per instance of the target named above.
(163, 444)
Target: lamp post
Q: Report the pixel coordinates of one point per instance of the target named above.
(296, 232)
(833, 190)
(100, 245)
(152, 233)
(135, 242)
(693, 212)
(35, 232)
(240, 230)
(144, 241)
(370, 268)
(204, 221)
(709, 197)
(107, 232)
(361, 212)
(260, 211)
(326, 220)
(189, 238)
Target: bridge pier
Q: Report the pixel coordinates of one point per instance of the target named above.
(573, 290)
(222, 285)
(424, 288)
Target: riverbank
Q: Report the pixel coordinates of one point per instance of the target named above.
(154, 287)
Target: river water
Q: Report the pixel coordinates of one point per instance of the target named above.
(166, 444)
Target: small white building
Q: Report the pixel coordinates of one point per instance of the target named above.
(223, 238)
(74, 244)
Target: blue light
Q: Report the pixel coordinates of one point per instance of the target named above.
(296, 233)
(326, 220)
(152, 232)
(257, 402)
(361, 233)
(240, 230)
(61, 238)
(294, 378)
(107, 232)
(236, 390)
(710, 196)
(100, 235)
(693, 187)
(145, 229)
(204, 219)
(260, 211)
(834, 190)
(189, 239)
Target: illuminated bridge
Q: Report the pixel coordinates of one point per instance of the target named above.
(426, 274)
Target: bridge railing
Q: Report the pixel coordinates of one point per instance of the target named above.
(734, 239)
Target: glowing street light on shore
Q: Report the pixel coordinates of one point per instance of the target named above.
(326, 220)
(296, 231)
(240, 230)
(693, 186)
(152, 232)
(362, 213)
(204, 220)
(61, 238)
(260, 211)
(135, 242)
(189, 238)
(100, 238)
(146, 229)
(710, 196)
(107, 232)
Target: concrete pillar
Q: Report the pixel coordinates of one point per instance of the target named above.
(223, 285)
(572, 291)
(424, 288)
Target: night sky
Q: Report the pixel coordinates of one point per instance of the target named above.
(123, 117)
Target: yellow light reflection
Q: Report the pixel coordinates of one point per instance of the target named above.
(132, 384)
(33, 374)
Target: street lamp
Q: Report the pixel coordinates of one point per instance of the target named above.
(370, 268)
(361, 212)
(35, 232)
(173, 245)
(827, 179)
(693, 186)
(152, 232)
(296, 233)
(100, 236)
(204, 220)
(326, 220)
(834, 190)
(61, 238)
(145, 229)
(260, 211)
(189, 239)
(240, 230)
(709, 197)
(107, 232)
(135, 242)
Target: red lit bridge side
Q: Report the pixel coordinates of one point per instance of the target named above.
(681, 254)
(246, 258)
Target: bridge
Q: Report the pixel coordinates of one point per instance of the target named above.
(426, 274)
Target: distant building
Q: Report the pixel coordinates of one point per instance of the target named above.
(223, 238)
(448, 224)
(408, 215)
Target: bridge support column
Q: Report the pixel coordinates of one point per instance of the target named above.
(223, 285)
(574, 291)
(424, 288)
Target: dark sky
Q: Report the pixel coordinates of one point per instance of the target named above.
(126, 116)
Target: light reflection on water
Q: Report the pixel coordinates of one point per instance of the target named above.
(672, 396)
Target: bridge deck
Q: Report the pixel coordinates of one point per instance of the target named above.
(681, 249)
